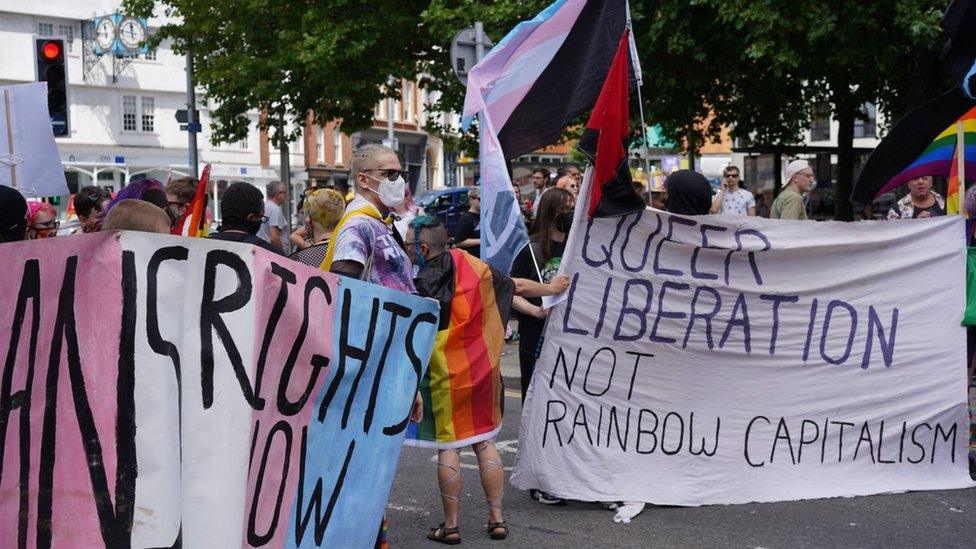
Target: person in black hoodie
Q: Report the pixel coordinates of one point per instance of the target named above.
(13, 215)
(242, 213)
(688, 193)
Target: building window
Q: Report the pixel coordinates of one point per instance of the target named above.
(129, 113)
(337, 146)
(397, 110)
(148, 114)
(138, 114)
(408, 102)
(68, 31)
(320, 144)
(151, 55)
(380, 113)
(820, 127)
(45, 29)
(866, 124)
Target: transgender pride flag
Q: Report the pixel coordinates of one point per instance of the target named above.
(544, 73)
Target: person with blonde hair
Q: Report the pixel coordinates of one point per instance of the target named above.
(136, 215)
(323, 209)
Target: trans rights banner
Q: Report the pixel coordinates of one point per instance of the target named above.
(159, 391)
(715, 360)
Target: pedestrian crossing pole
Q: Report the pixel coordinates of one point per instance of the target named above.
(191, 114)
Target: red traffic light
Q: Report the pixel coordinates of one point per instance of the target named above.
(51, 50)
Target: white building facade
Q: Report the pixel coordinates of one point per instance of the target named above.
(124, 126)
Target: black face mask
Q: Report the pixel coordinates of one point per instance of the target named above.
(246, 225)
(251, 226)
(564, 221)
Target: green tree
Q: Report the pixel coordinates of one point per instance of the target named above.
(329, 58)
(291, 58)
(762, 66)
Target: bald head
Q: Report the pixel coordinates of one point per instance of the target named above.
(136, 215)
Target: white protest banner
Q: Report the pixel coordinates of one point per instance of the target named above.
(717, 359)
(29, 158)
(159, 390)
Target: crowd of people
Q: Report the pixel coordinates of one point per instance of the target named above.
(378, 235)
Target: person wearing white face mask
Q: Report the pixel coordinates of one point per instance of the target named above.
(364, 244)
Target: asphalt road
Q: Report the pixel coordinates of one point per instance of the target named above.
(919, 519)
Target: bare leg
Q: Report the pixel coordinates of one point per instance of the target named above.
(449, 479)
(492, 477)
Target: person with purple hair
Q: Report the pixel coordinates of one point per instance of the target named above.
(147, 189)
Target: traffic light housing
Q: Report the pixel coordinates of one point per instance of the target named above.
(51, 68)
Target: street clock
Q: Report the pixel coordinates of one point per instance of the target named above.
(132, 33)
(105, 32)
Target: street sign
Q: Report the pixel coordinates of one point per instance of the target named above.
(181, 115)
(192, 128)
(464, 52)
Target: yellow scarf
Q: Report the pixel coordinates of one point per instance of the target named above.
(367, 210)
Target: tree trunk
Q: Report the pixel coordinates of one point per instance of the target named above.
(846, 111)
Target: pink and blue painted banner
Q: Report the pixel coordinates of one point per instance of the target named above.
(159, 390)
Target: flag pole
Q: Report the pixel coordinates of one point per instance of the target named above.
(10, 139)
(635, 63)
(961, 166)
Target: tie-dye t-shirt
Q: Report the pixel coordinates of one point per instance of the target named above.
(356, 240)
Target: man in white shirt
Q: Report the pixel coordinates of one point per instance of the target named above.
(733, 199)
(276, 224)
(540, 180)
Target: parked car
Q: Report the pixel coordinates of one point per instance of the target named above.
(446, 204)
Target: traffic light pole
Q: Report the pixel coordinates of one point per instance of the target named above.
(191, 114)
(390, 134)
(284, 157)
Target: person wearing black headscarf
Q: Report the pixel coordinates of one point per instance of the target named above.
(13, 215)
(688, 193)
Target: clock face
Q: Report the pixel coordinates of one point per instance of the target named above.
(132, 33)
(105, 33)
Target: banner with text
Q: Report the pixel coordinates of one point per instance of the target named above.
(715, 359)
(159, 390)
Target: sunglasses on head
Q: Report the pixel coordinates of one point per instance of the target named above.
(392, 175)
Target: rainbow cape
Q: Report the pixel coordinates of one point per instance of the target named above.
(462, 389)
(194, 220)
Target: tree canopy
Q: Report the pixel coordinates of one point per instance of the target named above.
(758, 67)
(762, 67)
(330, 58)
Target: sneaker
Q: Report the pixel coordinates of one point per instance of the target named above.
(545, 498)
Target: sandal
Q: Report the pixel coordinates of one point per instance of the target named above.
(493, 526)
(440, 534)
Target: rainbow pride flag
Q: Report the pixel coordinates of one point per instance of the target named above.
(194, 220)
(939, 157)
(462, 389)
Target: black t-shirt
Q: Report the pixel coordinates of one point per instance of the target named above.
(246, 238)
(530, 328)
(469, 226)
(934, 210)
